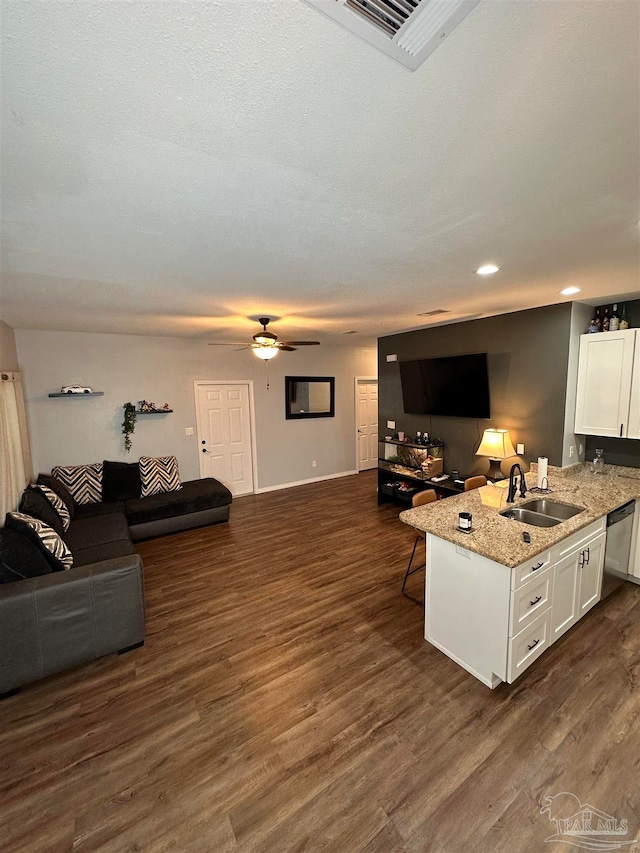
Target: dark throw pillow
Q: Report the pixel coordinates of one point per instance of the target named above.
(35, 504)
(60, 489)
(20, 558)
(120, 481)
(44, 537)
(158, 474)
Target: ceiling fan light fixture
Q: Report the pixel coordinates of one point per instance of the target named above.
(265, 352)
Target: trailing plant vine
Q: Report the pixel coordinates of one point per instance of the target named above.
(128, 424)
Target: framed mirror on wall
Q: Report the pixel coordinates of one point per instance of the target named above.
(309, 396)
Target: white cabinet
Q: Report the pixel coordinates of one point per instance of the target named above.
(577, 584)
(565, 595)
(591, 569)
(604, 389)
(495, 621)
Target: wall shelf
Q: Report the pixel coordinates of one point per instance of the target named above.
(86, 394)
(155, 412)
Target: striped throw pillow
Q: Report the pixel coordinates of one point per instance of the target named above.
(56, 502)
(52, 546)
(83, 481)
(158, 474)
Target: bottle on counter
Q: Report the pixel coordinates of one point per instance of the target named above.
(598, 462)
(614, 322)
(624, 323)
(605, 319)
(418, 437)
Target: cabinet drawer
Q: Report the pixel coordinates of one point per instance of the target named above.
(528, 645)
(577, 540)
(522, 574)
(528, 602)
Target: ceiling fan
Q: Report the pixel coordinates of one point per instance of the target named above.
(265, 344)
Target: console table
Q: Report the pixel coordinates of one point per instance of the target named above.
(400, 475)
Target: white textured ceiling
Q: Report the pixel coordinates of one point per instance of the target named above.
(180, 167)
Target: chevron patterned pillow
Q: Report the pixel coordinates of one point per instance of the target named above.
(56, 503)
(158, 474)
(83, 481)
(55, 550)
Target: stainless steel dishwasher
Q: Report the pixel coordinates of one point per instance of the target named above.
(618, 548)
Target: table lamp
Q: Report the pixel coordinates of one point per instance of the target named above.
(496, 444)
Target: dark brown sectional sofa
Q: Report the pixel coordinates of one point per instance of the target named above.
(51, 620)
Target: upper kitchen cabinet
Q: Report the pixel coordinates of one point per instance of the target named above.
(608, 393)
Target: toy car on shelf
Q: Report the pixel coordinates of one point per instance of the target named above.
(76, 389)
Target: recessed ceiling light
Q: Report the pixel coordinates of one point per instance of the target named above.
(487, 269)
(569, 291)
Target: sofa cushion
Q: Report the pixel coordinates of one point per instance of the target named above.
(34, 503)
(158, 474)
(93, 510)
(60, 489)
(44, 537)
(194, 496)
(98, 553)
(19, 557)
(83, 481)
(99, 530)
(120, 481)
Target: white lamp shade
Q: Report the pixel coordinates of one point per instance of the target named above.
(496, 444)
(265, 353)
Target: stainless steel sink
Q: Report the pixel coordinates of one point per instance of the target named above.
(541, 512)
(528, 517)
(551, 508)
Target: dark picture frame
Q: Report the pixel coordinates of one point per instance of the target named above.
(309, 397)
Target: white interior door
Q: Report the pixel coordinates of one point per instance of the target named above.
(367, 423)
(224, 435)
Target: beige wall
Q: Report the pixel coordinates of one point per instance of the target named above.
(129, 368)
(8, 352)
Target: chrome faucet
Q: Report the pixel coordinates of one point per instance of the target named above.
(513, 483)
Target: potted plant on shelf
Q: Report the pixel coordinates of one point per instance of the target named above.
(128, 424)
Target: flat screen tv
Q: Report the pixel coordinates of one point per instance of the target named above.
(456, 386)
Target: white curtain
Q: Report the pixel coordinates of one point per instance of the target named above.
(15, 453)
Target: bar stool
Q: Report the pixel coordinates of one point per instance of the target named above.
(474, 483)
(419, 499)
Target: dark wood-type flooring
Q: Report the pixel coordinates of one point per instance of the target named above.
(286, 700)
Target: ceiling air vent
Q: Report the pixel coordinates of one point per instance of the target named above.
(434, 312)
(406, 30)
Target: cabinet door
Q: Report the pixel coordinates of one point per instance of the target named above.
(565, 595)
(592, 565)
(604, 383)
(633, 430)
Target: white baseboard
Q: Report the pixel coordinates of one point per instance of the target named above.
(304, 482)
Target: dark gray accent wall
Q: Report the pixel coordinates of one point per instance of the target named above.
(527, 359)
(617, 451)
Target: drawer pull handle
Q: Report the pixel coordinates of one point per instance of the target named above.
(533, 645)
(539, 566)
(588, 556)
(535, 600)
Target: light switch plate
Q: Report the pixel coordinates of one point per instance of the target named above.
(392, 357)
(188, 430)
(520, 449)
(391, 424)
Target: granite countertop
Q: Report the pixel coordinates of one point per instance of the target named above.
(500, 539)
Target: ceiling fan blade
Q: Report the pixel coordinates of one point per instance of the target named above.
(301, 343)
(286, 348)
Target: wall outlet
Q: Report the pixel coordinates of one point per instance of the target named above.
(188, 430)
(391, 424)
(572, 451)
(314, 464)
(520, 449)
(580, 448)
(393, 357)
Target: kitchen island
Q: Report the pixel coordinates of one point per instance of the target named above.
(495, 603)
